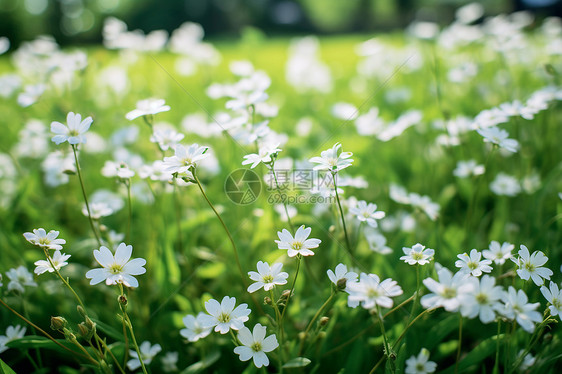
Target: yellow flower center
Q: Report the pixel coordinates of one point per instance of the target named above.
(256, 347)
(224, 318)
(116, 268)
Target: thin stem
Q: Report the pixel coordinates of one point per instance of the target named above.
(130, 218)
(472, 203)
(401, 337)
(89, 358)
(305, 336)
(384, 338)
(347, 242)
(84, 194)
(278, 187)
(99, 340)
(356, 336)
(230, 238)
(130, 326)
(497, 363)
(64, 280)
(459, 345)
(416, 294)
(292, 287)
(178, 216)
(225, 229)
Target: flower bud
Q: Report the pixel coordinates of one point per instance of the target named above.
(81, 311)
(341, 284)
(267, 301)
(324, 321)
(321, 335)
(58, 323)
(122, 299)
(86, 331)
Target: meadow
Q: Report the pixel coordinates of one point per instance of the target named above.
(392, 202)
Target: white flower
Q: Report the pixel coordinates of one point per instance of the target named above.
(255, 345)
(146, 107)
(367, 213)
(498, 253)
(147, 351)
(299, 245)
(20, 277)
(12, 333)
(116, 269)
(447, 291)
(223, 316)
(267, 277)
(465, 169)
(528, 360)
(376, 241)
(170, 361)
(264, 155)
(74, 133)
(418, 254)
(554, 296)
(166, 138)
(420, 364)
(194, 329)
(370, 292)
(30, 94)
(112, 169)
(185, 158)
(97, 210)
(518, 308)
(505, 184)
(483, 300)
(473, 264)
(530, 266)
(340, 274)
(497, 136)
(430, 208)
(332, 161)
(58, 259)
(41, 238)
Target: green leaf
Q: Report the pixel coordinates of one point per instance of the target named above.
(33, 341)
(440, 331)
(202, 365)
(477, 355)
(298, 362)
(5, 369)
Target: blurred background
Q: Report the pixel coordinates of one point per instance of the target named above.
(80, 21)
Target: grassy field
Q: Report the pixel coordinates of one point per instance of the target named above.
(189, 257)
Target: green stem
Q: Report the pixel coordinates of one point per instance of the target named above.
(278, 187)
(358, 335)
(130, 218)
(347, 242)
(459, 345)
(497, 363)
(385, 339)
(230, 238)
(26, 314)
(292, 287)
(99, 340)
(89, 358)
(401, 337)
(78, 169)
(472, 203)
(178, 216)
(314, 318)
(130, 326)
(64, 280)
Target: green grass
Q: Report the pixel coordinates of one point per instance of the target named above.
(180, 279)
